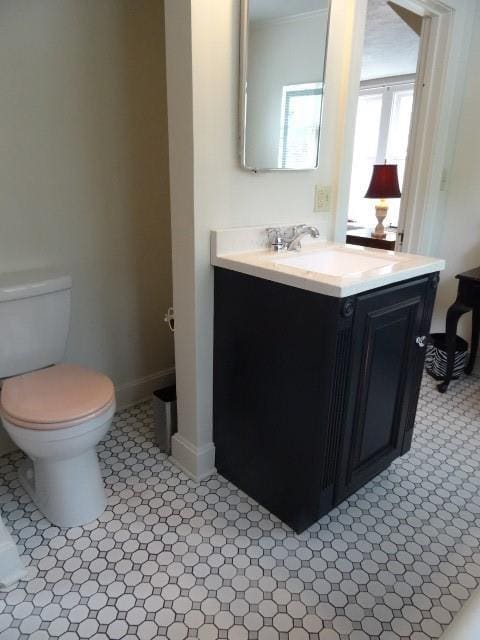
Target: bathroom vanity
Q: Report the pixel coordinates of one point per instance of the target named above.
(318, 359)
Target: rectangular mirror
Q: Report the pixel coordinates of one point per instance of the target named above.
(283, 50)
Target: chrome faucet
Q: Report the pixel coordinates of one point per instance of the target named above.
(301, 231)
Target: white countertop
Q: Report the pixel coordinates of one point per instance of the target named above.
(348, 269)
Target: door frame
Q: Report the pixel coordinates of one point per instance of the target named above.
(422, 183)
(441, 72)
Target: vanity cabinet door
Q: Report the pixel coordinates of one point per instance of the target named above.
(385, 372)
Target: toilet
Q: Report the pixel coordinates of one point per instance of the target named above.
(55, 412)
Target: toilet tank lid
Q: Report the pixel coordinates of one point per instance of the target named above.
(34, 282)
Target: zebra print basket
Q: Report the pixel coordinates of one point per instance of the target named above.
(436, 357)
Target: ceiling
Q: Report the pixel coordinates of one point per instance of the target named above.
(267, 9)
(390, 47)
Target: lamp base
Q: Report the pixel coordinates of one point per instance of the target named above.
(381, 210)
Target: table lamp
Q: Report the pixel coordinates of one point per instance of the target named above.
(384, 184)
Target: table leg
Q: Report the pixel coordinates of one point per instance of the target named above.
(453, 315)
(474, 342)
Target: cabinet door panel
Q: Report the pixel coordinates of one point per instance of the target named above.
(384, 352)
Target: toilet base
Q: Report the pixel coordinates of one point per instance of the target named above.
(69, 492)
(62, 472)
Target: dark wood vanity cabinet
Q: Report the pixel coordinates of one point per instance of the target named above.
(314, 395)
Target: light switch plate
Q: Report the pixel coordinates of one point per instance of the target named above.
(322, 198)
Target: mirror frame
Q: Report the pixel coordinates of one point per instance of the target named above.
(242, 93)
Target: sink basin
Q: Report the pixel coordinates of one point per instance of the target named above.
(335, 263)
(329, 268)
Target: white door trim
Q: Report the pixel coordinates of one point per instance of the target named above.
(411, 191)
(351, 83)
(425, 159)
(441, 79)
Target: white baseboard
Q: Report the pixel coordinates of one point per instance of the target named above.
(197, 462)
(11, 567)
(141, 389)
(466, 624)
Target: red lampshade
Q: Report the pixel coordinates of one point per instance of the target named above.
(384, 182)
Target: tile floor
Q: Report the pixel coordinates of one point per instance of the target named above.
(173, 559)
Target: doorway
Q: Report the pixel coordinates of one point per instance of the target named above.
(383, 119)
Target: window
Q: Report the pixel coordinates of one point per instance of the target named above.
(301, 104)
(381, 133)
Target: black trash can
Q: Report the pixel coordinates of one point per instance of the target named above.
(436, 356)
(165, 416)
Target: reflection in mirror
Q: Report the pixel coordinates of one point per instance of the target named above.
(281, 85)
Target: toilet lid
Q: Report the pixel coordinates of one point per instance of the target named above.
(55, 396)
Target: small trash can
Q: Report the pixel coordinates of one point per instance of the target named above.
(436, 356)
(165, 416)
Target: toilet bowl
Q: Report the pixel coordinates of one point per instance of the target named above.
(56, 413)
(57, 416)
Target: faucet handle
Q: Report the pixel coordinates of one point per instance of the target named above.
(276, 239)
(272, 230)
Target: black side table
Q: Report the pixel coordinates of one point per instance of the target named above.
(468, 299)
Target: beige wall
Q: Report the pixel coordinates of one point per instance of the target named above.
(84, 170)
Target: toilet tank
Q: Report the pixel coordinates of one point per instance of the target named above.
(34, 320)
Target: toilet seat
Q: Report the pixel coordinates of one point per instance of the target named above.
(56, 398)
